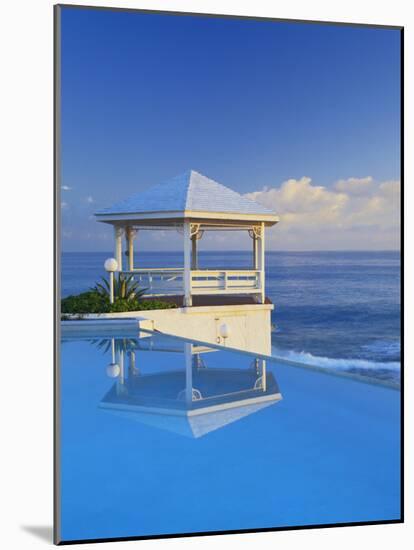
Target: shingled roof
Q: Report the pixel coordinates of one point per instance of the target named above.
(190, 192)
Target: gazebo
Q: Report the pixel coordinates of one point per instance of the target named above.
(191, 204)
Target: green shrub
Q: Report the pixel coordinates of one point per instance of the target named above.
(86, 302)
(96, 302)
(154, 304)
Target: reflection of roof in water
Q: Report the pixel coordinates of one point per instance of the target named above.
(195, 425)
(159, 399)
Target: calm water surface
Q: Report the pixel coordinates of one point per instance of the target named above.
(134, 464)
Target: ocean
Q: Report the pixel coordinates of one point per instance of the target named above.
(336, 310)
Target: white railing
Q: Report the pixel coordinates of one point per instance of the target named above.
(207, 281)
(164, 281)
(159, 281)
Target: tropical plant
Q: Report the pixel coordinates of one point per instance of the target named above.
(120, 344)
(125, 288)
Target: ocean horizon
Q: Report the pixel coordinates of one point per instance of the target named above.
(339, 310)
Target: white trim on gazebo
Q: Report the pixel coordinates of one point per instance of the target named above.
(192, 204)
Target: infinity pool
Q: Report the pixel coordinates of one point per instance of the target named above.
(162, 436)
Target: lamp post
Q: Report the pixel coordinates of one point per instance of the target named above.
(113, 369)
(111, 265)
(224, 332)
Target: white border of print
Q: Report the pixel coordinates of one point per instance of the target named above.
(26, 114)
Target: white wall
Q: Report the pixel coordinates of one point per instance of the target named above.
(249, 326)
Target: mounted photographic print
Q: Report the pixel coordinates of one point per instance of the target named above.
(228, 274)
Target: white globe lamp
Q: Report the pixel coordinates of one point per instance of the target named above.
(111, 265)
(224, 331)
(113, 370)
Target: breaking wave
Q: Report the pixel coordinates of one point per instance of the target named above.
(306, 358)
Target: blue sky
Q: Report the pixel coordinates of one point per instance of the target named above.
(252, 104)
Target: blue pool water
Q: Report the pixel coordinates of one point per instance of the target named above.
(132, 464)
(339, 310)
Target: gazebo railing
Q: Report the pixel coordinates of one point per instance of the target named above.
(208, 281)
(159, 281)
(170, 281)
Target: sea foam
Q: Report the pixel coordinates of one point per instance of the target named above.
(308, 359)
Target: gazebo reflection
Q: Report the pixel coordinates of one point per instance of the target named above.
(169, 384)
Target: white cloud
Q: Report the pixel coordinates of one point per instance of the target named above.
(66, 188)
(355, 186)
(357, 213)
(89, 199)
(64, 205)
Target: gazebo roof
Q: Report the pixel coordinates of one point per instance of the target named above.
(190, 195)
(152, 399)
(192, 426)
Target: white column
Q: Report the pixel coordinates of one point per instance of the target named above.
(261, 262)
(121, 378)
(130, 235)
(254, 239)
(194, 261)
(187, 264)
(118, 245)
(113, 350)
(264, 381)
(132, 368)
(188, 372)
(121, 366)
